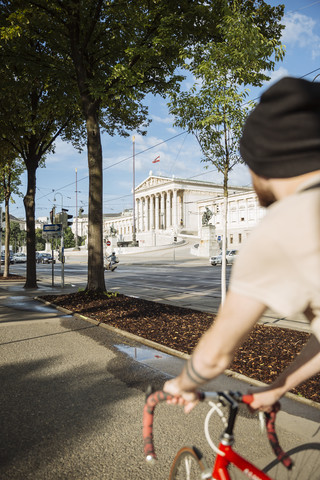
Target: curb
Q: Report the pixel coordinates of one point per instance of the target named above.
(173, 352)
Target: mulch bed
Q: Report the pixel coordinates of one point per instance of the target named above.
(11, 276)
(267, 351)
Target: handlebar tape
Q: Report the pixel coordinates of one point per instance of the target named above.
(148, 413)
(282, 456)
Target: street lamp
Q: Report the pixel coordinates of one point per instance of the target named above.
(134, 237)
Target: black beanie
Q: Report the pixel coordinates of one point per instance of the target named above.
(281, 137)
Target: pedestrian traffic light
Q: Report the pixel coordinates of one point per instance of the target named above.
(66, 218)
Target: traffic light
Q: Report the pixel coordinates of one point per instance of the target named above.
(3, 217)
(81, 210)
(65, 218)
(61, 255)
(52, 215)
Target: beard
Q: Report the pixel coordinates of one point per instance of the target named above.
(263, 191)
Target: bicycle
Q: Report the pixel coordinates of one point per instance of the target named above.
(302, 462)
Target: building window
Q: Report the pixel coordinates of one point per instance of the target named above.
(240, 237)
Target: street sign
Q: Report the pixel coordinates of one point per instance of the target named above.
(52, 229)
(108, 243)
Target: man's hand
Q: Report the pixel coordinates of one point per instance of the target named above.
(264, 399)
(180, 397)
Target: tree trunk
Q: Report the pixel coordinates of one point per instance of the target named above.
(7, 238)
(29, 205)
(224, 239)
(95, 232)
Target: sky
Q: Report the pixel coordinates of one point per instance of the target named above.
(179, 152)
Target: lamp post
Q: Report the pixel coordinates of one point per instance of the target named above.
(77, 246)
(134, 237)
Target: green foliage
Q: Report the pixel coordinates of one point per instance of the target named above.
(17, 236)
(10, 172)
(68, 238)
(111, 294)
(40, 241)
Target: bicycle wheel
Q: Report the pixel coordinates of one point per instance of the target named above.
(306, 459)
(188, 464)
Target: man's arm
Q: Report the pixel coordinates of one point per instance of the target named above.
(217, 346)
(305, 365)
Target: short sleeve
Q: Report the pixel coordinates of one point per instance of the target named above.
(265, 272)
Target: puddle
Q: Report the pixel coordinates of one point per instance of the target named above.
(142, 354)
(154, 359)
(28, 304)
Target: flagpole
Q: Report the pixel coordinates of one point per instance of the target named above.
(134, 238)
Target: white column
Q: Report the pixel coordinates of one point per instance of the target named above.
(162, 212)
(174, 209)
(152, 212)
(137, 215)
(180, 209)
(143, 217)
(157, 212)
(148, 213)
(168, 210)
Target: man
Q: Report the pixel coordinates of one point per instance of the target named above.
(111, 262)
(279, 266)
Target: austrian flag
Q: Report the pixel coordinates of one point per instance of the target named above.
(156, 159)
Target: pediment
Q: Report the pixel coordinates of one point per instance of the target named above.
(152, 182)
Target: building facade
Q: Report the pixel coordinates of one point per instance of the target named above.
(167, 207)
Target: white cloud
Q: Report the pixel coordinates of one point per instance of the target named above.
(65, 152)
(166, 120)
(277, 75)
(300, 32)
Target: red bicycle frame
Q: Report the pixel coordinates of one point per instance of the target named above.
(220, 471)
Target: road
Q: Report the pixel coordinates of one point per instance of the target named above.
(188, 282)
(170, 275)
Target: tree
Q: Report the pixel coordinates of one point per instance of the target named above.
(114, 53)
(17, 236)
(214, 109)
(69, 239)
(119, 51)
(34, 109)
(10, 171)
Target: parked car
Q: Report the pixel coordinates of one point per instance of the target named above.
(19, 257)
(45, 258)
(230, 257)
(10, 258)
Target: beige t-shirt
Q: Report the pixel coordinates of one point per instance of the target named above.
(279, 264)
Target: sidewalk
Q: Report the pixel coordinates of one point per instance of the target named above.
(72, 395)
